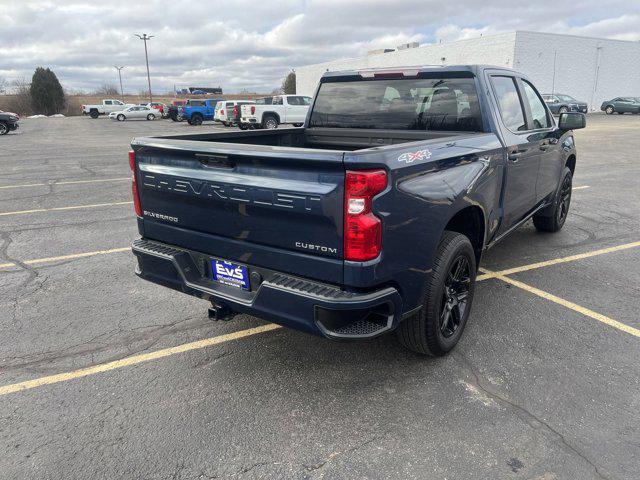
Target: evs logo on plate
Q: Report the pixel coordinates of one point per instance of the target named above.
(411, 157)
(230, 274)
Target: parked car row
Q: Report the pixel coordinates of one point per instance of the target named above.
(560, 103)
(266, 112)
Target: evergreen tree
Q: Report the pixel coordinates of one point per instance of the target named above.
(47, 96)
(289, 84)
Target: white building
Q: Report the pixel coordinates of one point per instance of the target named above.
(589, 69)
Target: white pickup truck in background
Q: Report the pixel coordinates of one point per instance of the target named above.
(107, 106)
(269, 112)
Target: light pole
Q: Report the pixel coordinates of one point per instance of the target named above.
(144, 37)
(553, 84)
(120, 77)
(595, 80)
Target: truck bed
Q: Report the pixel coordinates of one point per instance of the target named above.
(341, 139)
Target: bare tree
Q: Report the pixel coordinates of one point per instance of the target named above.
(20, 101)
(3, 85)
(108, 90)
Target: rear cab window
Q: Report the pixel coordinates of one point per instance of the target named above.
(424, 103)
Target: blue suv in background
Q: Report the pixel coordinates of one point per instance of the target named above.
(197, 111)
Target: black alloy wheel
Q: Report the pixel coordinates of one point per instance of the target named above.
(455, 296)
(448, 294)
(552, 218)
(565, 200)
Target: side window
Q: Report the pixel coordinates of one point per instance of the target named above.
(538, 112)
(277, 100)
(117, 102)
(293, 100)
(306, 100)
(108, 102)
(509, 103)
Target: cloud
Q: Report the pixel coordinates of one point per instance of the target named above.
(248, 44)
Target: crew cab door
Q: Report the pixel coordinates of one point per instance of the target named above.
(297, 107)
(522, 151)
(542, 130)
(281, 109)
(210, 108)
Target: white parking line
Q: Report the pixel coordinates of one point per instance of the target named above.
(37, 261)
(58, 209)
(65, 182)
(582, 187)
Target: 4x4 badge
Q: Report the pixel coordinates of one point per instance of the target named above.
(411, 157)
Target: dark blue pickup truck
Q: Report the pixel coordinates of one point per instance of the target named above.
(371, 217)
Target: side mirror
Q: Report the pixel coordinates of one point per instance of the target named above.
(572, 121)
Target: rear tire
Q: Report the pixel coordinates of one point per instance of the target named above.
(552, 218)
(151, 116)
(437, 327)
(270, 122)
(243, 126)
(4, 128)
(196, 120)
(94, 114)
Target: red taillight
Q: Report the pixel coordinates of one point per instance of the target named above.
(134, 184)
(253, 110)
(222, 111)
(235, 111)
(362, 229)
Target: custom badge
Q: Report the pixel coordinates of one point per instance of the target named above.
(411, 157)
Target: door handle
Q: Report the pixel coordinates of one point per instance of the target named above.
(515, 156)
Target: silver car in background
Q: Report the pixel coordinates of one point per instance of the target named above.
(137, 111)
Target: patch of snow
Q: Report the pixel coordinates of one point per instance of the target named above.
(57, 115)
(37, 116)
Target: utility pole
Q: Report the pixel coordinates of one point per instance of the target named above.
(553, 85)
(595, 80)
(144, 37)
(120, 77)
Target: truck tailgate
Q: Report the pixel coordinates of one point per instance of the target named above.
(273, 207)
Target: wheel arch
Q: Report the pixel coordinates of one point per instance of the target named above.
(571, 163)
(470, 221)
(271, 114)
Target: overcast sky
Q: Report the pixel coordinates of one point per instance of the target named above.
(252, 44)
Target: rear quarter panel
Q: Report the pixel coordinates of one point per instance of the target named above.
(423, 194)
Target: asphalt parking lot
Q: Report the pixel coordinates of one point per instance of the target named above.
(103, 375)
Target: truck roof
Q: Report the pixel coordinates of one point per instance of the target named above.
(412, 70)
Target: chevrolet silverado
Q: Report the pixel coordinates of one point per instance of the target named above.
(371, 217)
